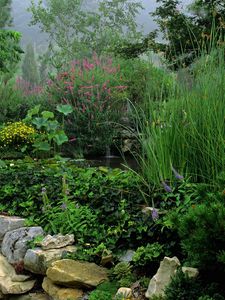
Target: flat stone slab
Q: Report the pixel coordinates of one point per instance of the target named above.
(56, 241)
(38, 260)
(76, 274)
(60, 293)
(10, 282)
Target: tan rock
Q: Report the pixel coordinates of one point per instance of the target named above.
(77, 274)
(10, 282)
(56, 241)
(37, 260)
(60, 293)
(167, 269)
(191, 272)
(30, 296)
(125, 292)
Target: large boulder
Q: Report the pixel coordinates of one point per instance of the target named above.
(15, 242)
(76, 274)
(37, 260)
(8, 223)
(167, 269)
(56, 241)
(10, 282)
(60, 293)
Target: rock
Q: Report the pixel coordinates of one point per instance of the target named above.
(167, 269)
(77, 274)
(37, 260)
(191, 272)
(10, 282)
(8, 223)
(60, 293)
(125, 292)
(30, 296)
(127, 256)
(56, 241)
(14, 244)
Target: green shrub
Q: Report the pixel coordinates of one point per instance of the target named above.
(182, 287)
(100, 295)
(108, 200)
(202, 234)
(149, 253)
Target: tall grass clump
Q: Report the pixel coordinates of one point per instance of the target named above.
(186, 132)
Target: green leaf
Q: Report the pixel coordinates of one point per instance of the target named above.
(40, 122)
(52, 125)
(64, 109)
(42, 146)
(2, 164)
(47, 114)
(60, 138)
(33, 111)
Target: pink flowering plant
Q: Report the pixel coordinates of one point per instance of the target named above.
(96, 91)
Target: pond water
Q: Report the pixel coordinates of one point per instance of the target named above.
(113, 162)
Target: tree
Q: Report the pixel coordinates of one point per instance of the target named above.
(5, 16)
(29, 66)
(10, 50)
(188, 34)
(186, 31)
(74, 27)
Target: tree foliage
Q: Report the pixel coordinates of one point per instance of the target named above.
(5, 17)
(185, 31)
(76, 26)
(29, 66)
(10, 50)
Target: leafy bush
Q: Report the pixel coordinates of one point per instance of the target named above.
(182, 287)
(100, 295)
(107, 200)
(146, 254)
(95, 91)
(202, 234)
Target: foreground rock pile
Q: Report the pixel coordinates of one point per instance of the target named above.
(63, 279)
(40, 257)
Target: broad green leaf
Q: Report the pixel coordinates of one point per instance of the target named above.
(47, 114)
(52, 125)
(65, 109)
(40, 122)
(42, 146)
(60, 138)
(33, 111)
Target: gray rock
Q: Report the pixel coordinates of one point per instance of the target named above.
(10, 282)
(158, 283)
(56, 241)
(15, 242)
(127, 256)
(37, 260)
(8, 223)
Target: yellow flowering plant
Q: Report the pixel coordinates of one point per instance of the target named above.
(16, 135)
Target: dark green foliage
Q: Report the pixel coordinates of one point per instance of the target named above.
(5, 17)
(106, 202)
(100, 295)
(202, 233)
(10, 50)
(183, 288)
(147, 254)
